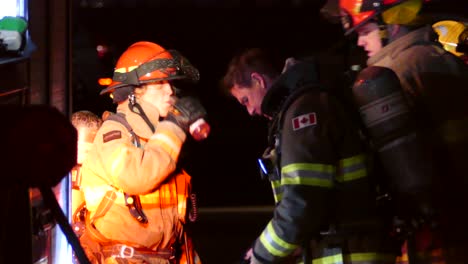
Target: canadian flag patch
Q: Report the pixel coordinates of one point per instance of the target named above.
(304, 121)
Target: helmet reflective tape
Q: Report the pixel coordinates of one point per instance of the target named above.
(173, 68)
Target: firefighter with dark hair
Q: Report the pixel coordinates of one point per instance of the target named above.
(424, 145)
(317, 164)
(135, 191)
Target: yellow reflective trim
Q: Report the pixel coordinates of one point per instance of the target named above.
(352, 175)
(369, 257)
(278, 240)
(288, 247)
(277, 193)
(278, 197)
(275, 184)
(309, 167)
(270, 248)
(125, 69)
(338, 258)
(307, 181)
(353, 160)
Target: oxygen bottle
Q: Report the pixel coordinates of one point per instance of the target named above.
(408, 164)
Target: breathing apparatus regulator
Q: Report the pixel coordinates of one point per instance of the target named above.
(146, 62)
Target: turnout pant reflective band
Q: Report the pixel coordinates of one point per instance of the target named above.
(355, 258)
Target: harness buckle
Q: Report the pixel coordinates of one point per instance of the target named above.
(125, 252)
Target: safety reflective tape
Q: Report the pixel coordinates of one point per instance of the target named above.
(277, 190)
(312, 174)
(352, 168)
(335, 259)
(368, 257)
(125, 69)
(274, 244)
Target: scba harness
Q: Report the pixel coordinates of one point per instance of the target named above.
(99, 248)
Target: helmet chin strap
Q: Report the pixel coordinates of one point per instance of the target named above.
(132, 104)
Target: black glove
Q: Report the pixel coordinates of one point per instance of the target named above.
(186, 110)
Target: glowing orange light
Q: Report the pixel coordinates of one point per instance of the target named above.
(105, 81)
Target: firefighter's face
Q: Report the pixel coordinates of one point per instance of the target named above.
(369, 38)
(160, 96)
(251, 97)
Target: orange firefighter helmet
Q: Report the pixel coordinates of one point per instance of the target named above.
(147, 62)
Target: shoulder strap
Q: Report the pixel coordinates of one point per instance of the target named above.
(120, 117)
(131, 201)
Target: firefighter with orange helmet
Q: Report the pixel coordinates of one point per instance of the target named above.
(135, 191)
(433, 82)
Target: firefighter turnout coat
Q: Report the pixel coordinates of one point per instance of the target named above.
(435, 83)
(115, 167)
(322, 188)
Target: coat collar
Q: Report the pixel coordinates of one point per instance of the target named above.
(421, 36)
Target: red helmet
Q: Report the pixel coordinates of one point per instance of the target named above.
(146, 62)
(355, 13)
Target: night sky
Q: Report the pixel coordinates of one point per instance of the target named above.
(224, 166)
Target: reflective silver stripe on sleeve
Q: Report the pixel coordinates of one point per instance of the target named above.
(274, 244)
(312, 174)
(277, 190)
(352, 168)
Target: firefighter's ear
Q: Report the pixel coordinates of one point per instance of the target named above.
(256, 79)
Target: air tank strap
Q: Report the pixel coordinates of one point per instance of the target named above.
(131, 201)
(120, 117)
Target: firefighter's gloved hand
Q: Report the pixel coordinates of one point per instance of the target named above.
(186, 110)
